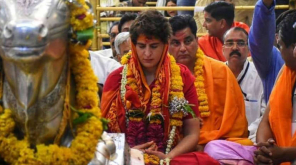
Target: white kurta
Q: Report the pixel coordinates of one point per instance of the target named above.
(252, 89)
(106, 53)
(102, 66)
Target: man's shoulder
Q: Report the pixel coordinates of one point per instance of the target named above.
(215, 64)
(105, 52)
(217, 69)
(103, 60)
(204, 38)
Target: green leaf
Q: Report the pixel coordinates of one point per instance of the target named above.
(82, 118)
(189, 110)
(105, 123)
(77, 111)
(85, 35)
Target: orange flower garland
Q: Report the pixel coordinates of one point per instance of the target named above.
(199, 84)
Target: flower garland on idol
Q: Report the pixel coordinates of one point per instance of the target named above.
(199, 84)
(87, 132)
(136, 119)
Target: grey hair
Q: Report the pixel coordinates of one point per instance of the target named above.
(119, 39)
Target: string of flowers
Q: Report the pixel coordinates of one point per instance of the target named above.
(135, 123)
(155, 130)
(199, 84)
(83, 146)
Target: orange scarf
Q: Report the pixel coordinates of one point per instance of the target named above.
(280, 115)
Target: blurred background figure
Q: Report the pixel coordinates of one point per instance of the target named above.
(171, 3)
(130, 3)
(110, 52)
(126, 21)
(186, 3)
(122, 45)
(245, 16)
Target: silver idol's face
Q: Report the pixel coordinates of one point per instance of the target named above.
(32, 30)
(33, 48)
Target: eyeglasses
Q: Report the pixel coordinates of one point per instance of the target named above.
(239, 44)
(113, 35)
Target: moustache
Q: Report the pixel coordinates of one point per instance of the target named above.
(235, 52)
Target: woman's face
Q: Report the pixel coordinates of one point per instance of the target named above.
(149, 52)
(171, 13)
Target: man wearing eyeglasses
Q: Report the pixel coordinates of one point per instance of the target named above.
(218, 18)
(111, 52)
(102, 61)
(235, 49)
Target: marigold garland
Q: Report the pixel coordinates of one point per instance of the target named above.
(83, 146)
(155, 128)
(199, 84)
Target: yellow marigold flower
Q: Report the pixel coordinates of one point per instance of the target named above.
(155, 121)
(125, 58)
(177, 123)
(146, 158)
(135, 119)
(203, 108)
(202, 97)
(205, 114)
(199, 84)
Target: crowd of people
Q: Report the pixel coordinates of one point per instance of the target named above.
(227, 97)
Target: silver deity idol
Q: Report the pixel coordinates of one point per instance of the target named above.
(33, 49)
(33, 46)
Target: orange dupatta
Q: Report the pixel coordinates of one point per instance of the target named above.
(280, 115)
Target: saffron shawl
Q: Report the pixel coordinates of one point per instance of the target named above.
(280, 115)
(228, 117)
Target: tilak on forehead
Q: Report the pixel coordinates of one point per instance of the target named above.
(147, 39)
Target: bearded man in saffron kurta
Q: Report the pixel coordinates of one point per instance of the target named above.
(219, 17)
(152, 99)
(221, 103)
